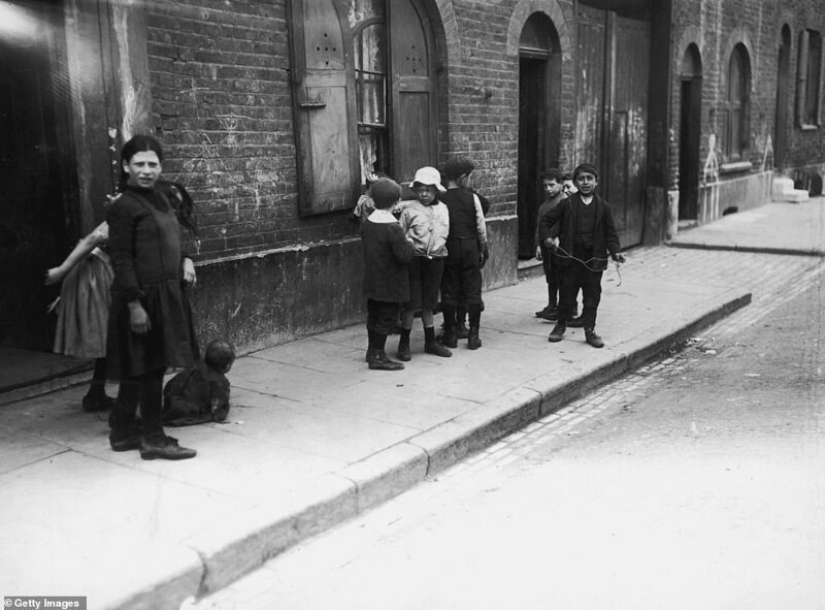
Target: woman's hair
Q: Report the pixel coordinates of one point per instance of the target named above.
(182, 202)
(134, 146)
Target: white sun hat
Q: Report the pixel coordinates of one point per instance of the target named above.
(429, 176)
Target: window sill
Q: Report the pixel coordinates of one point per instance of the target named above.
(739, 167)
(807, 127)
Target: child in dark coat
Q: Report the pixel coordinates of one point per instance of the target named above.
(582, 231)
(551, 185)
(387, 254)
(201, 393)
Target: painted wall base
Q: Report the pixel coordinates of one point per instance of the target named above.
(742, 193)
(268, 298)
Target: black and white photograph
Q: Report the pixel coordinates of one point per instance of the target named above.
(412, 304)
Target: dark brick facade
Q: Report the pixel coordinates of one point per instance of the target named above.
(715, 27)
(214, 78)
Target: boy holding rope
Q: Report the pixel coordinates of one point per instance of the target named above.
(582, 232)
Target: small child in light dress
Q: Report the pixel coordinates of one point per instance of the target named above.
(83, 310)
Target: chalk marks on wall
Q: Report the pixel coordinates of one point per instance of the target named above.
(710, 173)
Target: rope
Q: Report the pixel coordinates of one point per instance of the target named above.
(562, 253)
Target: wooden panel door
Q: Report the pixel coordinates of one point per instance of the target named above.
(32, 189)
(590, 93)
(325, 107)
(413, 137)
(627, 141)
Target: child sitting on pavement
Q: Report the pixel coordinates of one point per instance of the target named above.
(200, 394)
(426, 223)
(583, 231)
(387, 254)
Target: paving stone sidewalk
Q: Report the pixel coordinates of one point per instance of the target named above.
(315, 438)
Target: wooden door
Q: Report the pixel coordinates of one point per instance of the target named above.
(32, 181)
(613, 57)
(413, 137)
(590, 91)
(627, 144)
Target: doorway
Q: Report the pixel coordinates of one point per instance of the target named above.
(33, 161)
(539, 121)
(690, 130)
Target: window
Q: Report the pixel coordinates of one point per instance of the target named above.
(737, 104)
(809, 69)
(370, 84)
(364, 91)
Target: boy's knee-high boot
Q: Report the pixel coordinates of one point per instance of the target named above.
(404, 345)
(473, 339)
(431, 346)
(461, 331)
(449, 339)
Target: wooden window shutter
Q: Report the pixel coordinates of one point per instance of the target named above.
(323, 96)
(413, 95)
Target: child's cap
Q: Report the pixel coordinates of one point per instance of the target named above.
(428, 176)
(385, 192)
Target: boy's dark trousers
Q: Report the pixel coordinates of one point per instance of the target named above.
(550, 264)
(573, 277)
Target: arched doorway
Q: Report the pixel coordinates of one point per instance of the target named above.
(780, 137)
(539, 120)
(689, 133)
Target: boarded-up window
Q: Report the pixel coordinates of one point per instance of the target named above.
(364, 86)
(737, 131)
(809, 70)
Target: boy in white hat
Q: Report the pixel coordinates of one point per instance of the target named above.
(426, 224)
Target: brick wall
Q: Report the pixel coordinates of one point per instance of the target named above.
(715, 26)
(221, 103)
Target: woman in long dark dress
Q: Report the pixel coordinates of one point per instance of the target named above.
(150, 323)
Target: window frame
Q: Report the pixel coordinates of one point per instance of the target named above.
(315, 195)
(737, 124)
(808, 93)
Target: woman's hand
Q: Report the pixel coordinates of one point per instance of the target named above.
(138, 319)
(189, 275)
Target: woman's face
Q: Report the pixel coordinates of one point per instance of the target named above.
(143, 169)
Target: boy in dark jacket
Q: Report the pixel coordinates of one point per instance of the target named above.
(467, 252)
(551, 185)
(582, 231)
(387, 253)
